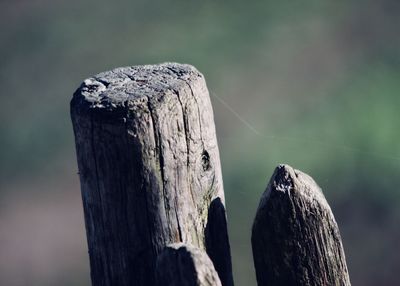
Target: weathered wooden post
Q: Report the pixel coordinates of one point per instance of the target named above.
(295, 237)
(149, 169)
(184, 265)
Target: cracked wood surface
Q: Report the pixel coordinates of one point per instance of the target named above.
(149, 169)
(184, 265)
(295, 238)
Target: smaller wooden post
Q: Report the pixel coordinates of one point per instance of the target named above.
(184, 265)
(295, 237)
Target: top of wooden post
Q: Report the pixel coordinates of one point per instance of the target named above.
(114, 89)
(295, 237)
(286, 179)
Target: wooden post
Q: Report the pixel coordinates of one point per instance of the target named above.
(295, 237)
(149, 169)
(184, 265)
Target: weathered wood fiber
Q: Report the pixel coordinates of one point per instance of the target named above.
(295, 237)
(149, 169)
(184, 265)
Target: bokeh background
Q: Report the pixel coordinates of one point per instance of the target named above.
(315, 84)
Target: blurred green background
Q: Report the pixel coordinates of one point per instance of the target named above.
(318, 80)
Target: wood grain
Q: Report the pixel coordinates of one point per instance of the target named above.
(149, 169)
(295, 237)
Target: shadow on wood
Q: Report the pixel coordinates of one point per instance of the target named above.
(185, 265)
(217, 241)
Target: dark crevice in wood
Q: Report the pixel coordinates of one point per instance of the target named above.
(205, 159)
(126, 194)
(105, 83)
(186, 130)
(198, 111)
(177, 221)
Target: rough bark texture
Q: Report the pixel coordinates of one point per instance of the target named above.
(295, 237)
(149, 170)
(184, 265)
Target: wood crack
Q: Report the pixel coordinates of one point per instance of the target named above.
(101, 217)
(158, 149)
(149, 232)
(198, 111)
(187, 139)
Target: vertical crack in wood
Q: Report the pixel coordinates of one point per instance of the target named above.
(198, 111)
(157, 139)
(187, 138)
(146, 208)
(177, 221)
(187, 162)
(125, 195)
(204, 203)
(104, 259)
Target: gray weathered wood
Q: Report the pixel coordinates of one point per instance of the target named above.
(149, 169)
(184, 265)
(295, 237)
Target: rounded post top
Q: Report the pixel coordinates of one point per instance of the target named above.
(115, 88)
(286, 179)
